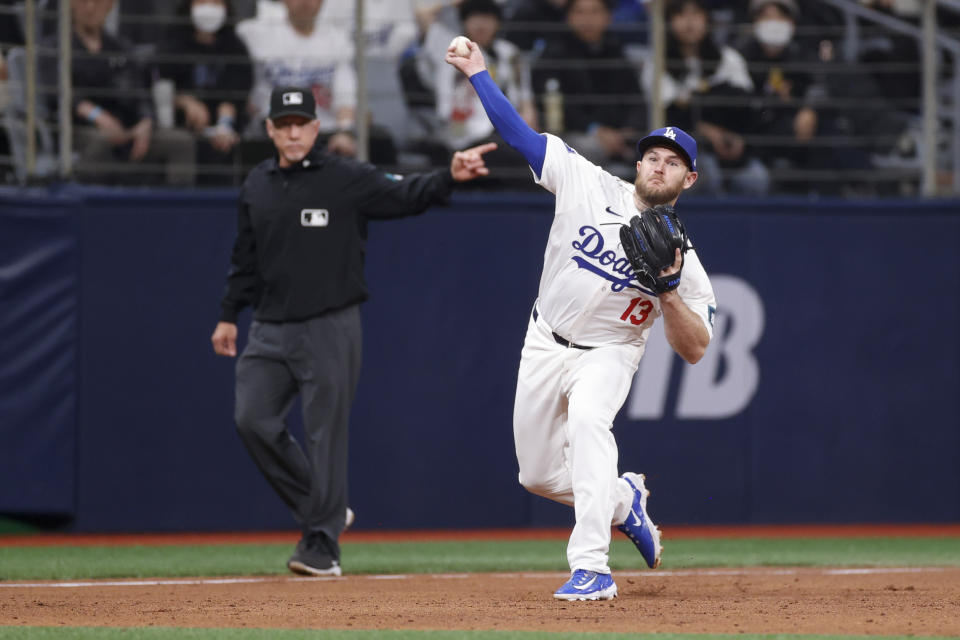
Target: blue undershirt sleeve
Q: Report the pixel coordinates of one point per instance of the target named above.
(508, 122)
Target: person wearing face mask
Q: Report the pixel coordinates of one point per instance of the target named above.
(211, 70)
(787, 91)
(705, 89)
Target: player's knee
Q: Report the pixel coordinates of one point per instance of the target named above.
(536, 484)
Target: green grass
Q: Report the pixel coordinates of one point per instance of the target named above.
(97, 633)
(47, 563)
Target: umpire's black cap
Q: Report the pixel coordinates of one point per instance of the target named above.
(292, 101)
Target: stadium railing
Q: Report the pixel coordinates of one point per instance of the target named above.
(899, 158)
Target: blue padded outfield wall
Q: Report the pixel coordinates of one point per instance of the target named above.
(830, 393)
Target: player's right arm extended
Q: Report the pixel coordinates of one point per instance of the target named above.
(508, 122)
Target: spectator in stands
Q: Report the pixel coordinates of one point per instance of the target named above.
(10, 36)
(818, 21)
(113, 117)
(531, 24)
(144, 23)
(210, 69)
(464, 122)
(700, 83)
(881, 49)
(390, 26)
(630, 11)
(391, 33)
(603, 105)
(630, 21)
(244, 9)
(460, 119)
(299, 50)
(788, 93)
(296, 48)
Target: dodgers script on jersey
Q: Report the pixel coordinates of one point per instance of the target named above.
(588, 293)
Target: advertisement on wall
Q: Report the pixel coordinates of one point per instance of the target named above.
(828, 393)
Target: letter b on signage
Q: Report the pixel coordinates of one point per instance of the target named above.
(725, 380)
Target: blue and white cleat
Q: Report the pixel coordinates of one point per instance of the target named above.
(638, 526)
(588, 585)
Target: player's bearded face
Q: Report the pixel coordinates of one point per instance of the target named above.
(661, 176)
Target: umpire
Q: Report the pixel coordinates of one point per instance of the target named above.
(298, 261)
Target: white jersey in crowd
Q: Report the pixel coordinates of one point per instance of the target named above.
(464, 120)
(588, 293)
(282, 56)
(390, 26)
(680, 85)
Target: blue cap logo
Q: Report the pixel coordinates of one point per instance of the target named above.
(674, 138)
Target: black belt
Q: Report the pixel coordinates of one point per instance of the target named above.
(560, 339)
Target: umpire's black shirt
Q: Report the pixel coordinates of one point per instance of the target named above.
(302, 233)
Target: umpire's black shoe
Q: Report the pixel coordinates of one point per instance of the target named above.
(313, 564)
(313, 560)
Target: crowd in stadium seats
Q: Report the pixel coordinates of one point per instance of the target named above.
(779, 96)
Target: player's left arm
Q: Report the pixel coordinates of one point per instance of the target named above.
(684, 328)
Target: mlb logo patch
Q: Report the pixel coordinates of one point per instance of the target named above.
(293, 97)
(314, 217)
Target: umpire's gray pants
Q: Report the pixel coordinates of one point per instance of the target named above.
(320, 360)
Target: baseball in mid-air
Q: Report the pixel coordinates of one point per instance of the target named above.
(462, 49)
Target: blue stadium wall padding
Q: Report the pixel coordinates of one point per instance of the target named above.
(39, 340)
(829, 394)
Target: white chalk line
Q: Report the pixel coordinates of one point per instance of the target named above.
(462, 576)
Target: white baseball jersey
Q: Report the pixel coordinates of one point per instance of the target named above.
(588, 293)
(390, 26)
(282, 56)
(567, 398)
(458, 105)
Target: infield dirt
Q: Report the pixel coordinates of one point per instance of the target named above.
(764, 600)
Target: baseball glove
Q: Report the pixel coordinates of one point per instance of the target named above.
(650, 242)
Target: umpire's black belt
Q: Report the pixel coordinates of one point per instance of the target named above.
(560, 339)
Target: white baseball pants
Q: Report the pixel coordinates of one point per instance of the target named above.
(566, 401)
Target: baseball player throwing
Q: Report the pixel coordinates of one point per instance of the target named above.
(588, 328)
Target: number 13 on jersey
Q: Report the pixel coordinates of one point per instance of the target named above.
(637, 311)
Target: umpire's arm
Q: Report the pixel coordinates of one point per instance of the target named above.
(242, 283)
(393, 196)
